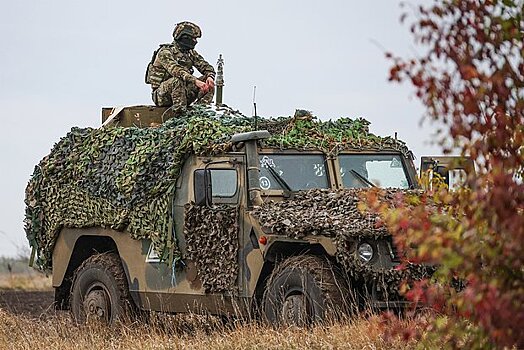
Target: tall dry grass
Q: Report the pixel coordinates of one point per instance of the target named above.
(189, 332)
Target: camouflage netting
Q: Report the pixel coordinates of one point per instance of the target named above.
(212, 244)
(335, 214)
(123, 178)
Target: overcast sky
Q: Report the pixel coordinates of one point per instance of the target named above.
(62, 61)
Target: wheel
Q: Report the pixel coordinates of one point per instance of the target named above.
(303, 290)
(100, 291)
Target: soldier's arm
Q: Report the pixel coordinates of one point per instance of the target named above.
(203, 66)
(166, 59)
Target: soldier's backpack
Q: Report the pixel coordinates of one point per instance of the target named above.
(155, 75)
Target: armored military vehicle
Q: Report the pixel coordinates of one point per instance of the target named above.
(218, 212)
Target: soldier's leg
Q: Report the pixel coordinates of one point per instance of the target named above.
(162, 95)
(179, 96)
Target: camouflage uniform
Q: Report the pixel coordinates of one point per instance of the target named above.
(171, 77)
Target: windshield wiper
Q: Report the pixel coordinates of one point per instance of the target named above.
(279, 179)
(362, 178)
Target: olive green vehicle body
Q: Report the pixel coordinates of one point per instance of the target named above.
(151, 282)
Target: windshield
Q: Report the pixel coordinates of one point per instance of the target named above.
(292, 172)
(368, 170)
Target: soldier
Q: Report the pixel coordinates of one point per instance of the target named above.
(170, 72)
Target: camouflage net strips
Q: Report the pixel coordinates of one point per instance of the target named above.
(212, 244)
(123, 178)
(335, 214)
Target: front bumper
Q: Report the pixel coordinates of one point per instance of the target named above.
(383, 288)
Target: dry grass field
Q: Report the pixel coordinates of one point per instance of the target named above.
(15, 274)
(28, 321)
(187, 332)
(25, 281)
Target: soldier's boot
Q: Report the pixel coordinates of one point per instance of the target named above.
(178, 110)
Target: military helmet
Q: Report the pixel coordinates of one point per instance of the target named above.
(186, 28)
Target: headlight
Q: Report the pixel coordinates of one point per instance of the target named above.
(365, 252)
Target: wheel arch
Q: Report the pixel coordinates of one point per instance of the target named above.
(69, 253)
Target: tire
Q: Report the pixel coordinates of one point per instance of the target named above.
(303, 290)
(100, 291)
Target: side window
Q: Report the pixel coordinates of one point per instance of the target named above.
(223, 183)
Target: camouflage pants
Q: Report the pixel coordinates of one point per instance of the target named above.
(179, 94)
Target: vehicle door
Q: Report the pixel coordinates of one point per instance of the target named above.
(212, 230)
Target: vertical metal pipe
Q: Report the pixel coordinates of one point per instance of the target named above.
(220, 80)
(253, 173)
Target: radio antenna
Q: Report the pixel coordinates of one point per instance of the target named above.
(255, 106)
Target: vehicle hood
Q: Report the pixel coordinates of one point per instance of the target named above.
(324, 212)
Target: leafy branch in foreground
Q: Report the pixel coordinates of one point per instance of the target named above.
(471, 80)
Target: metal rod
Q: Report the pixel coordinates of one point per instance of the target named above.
(255, 106)
(220, 80)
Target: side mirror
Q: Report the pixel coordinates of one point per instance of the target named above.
(202, 187)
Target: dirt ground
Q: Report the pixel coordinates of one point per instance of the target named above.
(28, 303)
